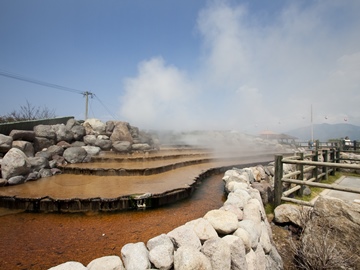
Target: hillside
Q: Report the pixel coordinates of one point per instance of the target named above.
(324, 132)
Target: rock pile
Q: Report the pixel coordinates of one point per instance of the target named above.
(236, 236)
(30, 155)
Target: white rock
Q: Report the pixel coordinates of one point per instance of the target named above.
(106, 263)
(161, 250)
(135, 256)
(69, 266)
(187, 257)
(237, 251)
(184, 236)
(254, 230)
(218, 252)
(203, 229)
(245, 237)
(224, 222)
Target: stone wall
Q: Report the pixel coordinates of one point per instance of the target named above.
(236, 236)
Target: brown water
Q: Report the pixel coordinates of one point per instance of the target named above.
(40, 241)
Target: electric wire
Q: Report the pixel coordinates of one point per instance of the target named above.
(34, 81)
(59, 87)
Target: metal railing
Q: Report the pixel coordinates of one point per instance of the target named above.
(320, 170)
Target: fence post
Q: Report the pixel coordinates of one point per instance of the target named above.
(337, 156)
(277, 180)
(315, 158)
(355, 145)
(332, 159)
(325, 168)
(301, 175)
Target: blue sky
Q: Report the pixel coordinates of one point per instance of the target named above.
(162, 64)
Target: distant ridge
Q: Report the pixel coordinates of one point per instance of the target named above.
(325, 132)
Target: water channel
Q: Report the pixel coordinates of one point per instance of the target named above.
(43, 240)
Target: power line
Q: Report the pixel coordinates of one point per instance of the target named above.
(86, 94)
(34, 81)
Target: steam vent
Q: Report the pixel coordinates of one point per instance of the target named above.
(140, 175)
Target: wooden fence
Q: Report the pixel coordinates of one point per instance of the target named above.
(319, 170)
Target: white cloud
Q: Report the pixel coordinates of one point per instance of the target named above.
(255, 75)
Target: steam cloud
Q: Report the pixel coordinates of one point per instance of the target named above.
(256, 72)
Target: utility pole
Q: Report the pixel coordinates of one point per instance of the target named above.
(312, 125)
(86, 95)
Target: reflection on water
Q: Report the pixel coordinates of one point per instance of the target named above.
(39, 241)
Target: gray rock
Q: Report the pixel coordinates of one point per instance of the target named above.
(187, 257)
(121, 132)
(106, 263)
(25, 146)
(103, 144)
(16, 180)
(90, 139)
(32, 176)
(135, 256)
(54, 150)
(5, 143)
(71, 123)
(237, 251)
(184, 236)
(15, 163)
(45, 173)
(78, 132)
(203, 229)
(38, 163)
(274, 260)
(265, 191)
(40, 143)
(140, 147)
(77, 144)
(45, 131)
(218, 252)
(110, 125)
(75, 154)
(92, 150)
(69, 266)
(23, 135)
(224, 222)
(121, 146)
(62, 133)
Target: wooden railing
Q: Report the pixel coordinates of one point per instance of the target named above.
(329, 166)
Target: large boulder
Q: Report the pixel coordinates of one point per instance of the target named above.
(218, 252)
(15, 163)
(121, 132)
(5, 143)
(224, 222)
(71, 265)
(25, 146)
(45, 131)
(135, 256)
(121, 146)
(75, 154)
(94, 127)
(63, 133)
(188, 257)
(106, 263)
(184, 236)
(40, 143)
(203, 229)
(161, 250)
(22, 135)
(333, 230)
(78, 132)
